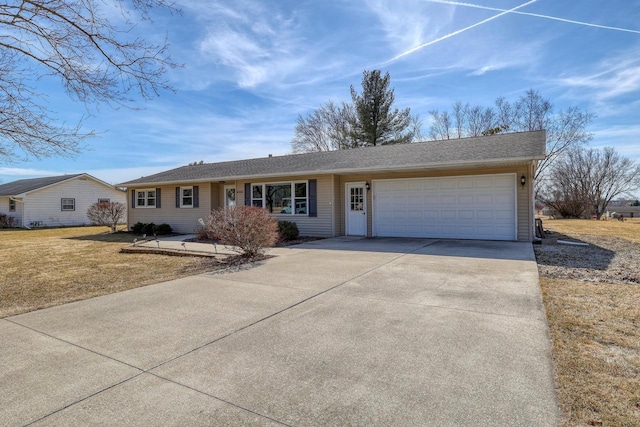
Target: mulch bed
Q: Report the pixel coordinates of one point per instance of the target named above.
(279, 244)
(165, 251)
(605, 260)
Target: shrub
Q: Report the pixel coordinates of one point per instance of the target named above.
(109, 214)
(202, 233)
(162, 229)
(149, 229)
(249, 229)
(288, 230)
(137, 228)
(7, 221)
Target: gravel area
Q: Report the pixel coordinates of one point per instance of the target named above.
(606, 259)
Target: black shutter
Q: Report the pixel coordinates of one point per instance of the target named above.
(196, 202)
(158, 198)
(313, 197)
(247, 194)
(133, 199)
(177, 197)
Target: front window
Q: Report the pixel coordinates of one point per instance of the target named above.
(281, 198)
(145, 198)
(256, 195)
(12, 205)
(68, 204)
(186, 197)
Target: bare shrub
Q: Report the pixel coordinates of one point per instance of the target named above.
(7, 221)
(109, 214)
(249, 229)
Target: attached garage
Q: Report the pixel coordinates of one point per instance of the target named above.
(469, 188)
(462, 207)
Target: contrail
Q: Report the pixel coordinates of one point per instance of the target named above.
(439, 39)
(537, 15)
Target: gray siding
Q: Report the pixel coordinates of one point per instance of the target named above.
(322, 225)
(331, 201)
(181, 220)
(523, 198)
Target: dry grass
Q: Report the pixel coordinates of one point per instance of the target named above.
(596, 338)
(629, 229)
(43, 268)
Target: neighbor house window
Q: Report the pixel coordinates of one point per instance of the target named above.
(12, 205)
(101, 201)
(68, 204)
(146, 198)
(186, 197)
(281, 198)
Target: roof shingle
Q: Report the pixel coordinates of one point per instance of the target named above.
(25, 185)
(513, 147)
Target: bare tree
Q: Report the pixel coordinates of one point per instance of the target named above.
(584, 181)
(480, 120)
(78, 42)
(504, 113)
(109, 214)
(459, 113)
(325, 129)
(416, 128)
(565, 129)
(368, 120)
(440, 125)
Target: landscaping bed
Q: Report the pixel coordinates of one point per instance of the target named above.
(607, 259)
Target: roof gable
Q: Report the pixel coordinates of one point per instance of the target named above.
(22, 186)
(513, 147)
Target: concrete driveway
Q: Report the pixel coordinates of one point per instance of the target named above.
(334, 332)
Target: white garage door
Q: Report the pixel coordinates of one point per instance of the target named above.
(465, 207)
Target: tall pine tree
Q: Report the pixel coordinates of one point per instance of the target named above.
(376, 122)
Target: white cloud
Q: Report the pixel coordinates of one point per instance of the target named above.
(537, 15)
(458, 31)
(407, 24)
(612, 77)
(253, 44)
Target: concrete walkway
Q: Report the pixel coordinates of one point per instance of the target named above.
(333, 332)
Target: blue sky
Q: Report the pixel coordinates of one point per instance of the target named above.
(251, 67)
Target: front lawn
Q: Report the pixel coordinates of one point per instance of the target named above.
(47, 267)
(592, 299)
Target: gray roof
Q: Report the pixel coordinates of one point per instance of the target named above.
(25, 185)
(472, 152)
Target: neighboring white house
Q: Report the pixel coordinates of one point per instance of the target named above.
(56, 200)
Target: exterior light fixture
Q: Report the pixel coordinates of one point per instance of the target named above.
(368, 186)
(523, 180)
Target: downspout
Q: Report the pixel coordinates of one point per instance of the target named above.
(532, 219)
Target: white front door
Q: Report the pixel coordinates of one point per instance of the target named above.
(356, 209)
(229, 196)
